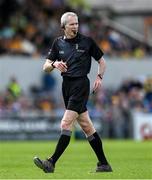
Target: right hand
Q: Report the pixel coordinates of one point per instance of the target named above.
(61, 66)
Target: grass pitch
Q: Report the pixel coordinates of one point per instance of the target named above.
(129, 160)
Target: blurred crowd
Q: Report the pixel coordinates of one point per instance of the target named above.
(28, 27)
(113, 106)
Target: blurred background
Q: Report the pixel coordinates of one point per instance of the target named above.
(31, 104)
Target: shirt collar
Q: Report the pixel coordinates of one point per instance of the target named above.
(73, 40)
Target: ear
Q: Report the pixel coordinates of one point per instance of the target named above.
(63, 26)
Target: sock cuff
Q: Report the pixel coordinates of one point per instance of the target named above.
(91, 137)
(66, 132)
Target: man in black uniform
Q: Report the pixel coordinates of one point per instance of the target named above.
(71, 55)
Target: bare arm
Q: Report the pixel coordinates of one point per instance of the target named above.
(60, 65)
(101, 70)
(101, 67)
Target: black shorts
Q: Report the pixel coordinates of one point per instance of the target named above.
(75, 93)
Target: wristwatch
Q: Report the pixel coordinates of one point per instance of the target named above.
(100, 76)
(52, 64)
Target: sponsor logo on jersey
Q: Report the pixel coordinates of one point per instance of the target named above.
(61, 52)
(80, 50)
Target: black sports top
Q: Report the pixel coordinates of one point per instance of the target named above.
(76, 52)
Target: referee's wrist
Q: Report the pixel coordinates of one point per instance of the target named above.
(100, 76)
(52, 64)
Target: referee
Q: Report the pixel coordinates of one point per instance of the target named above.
(71, 55)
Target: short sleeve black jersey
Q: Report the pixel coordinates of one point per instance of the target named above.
(76, 52)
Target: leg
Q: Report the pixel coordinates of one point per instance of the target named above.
(86, 124)
(66, 130)
(94, 139)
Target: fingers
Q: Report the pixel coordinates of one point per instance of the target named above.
(61, 66)
(64, 64)
(96, 86)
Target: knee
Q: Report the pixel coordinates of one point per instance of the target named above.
(88, 128)
(67, 125)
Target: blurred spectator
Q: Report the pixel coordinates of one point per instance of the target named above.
(148, 94)
(45, 104)
(115, 39)
(48, 83)
(14, 88)
(139, 52)
(105, 45)
(117, 122)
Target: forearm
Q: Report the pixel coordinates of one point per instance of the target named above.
(47, 67)
(101, 67)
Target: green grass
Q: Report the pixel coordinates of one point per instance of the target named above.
(129, 159)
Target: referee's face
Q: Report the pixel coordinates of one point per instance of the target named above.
(71, 27)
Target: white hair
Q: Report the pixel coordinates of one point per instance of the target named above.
(65, 16)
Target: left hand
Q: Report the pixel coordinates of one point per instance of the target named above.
(97, 84)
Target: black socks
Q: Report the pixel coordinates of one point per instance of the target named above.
(64, 140)
(62, 144)
(96, 145)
